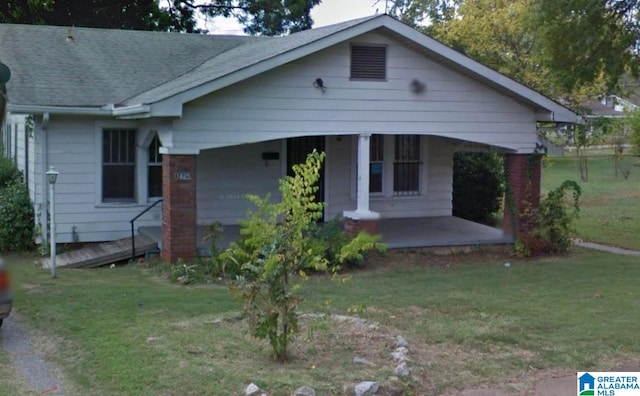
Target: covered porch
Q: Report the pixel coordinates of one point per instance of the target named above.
(396, 233)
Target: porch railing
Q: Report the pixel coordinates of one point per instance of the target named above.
(133, 239)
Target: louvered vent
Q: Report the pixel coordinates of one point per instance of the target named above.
(368, 62)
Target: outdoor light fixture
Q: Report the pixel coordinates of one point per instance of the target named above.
(318, 83)
(52, 177)
(417, 87)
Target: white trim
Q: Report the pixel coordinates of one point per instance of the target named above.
(179, 150)
(35, 109)
(361, 215)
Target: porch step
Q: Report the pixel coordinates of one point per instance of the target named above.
(98, 254)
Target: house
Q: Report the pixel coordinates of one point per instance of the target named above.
(128, 117)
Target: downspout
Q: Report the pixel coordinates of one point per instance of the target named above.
(44, 243)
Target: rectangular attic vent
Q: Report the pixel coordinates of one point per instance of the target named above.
(368, 62)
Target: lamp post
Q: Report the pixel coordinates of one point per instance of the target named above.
(52, 176)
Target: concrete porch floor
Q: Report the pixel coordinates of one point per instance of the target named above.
(396, 233)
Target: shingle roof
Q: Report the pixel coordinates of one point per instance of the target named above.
(239, 58)
(99, 67)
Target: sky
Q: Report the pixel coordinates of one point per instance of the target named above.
(327, 13)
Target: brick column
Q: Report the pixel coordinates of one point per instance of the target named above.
(353, 226)
(523, 180)
(178, 207)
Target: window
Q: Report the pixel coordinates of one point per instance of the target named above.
(369, 62)
(118, 165)
(406, 168)
(376, 165)
(155, 169)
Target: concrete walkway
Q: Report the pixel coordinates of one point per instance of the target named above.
(22, 346)
(606, 248)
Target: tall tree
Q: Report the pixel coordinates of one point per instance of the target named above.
(564, 48)
(265, 17)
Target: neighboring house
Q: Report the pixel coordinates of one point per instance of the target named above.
(127, 117)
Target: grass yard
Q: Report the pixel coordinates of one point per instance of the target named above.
(468, 319)
(610, 207)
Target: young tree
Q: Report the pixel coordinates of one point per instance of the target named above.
(275, 251)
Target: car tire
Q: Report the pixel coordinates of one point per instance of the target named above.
(1, 322)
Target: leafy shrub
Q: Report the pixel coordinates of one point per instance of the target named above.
(552, 223)
(8, 172)
(16, 217)
(276, 250)
(332, 239)
(478, 186)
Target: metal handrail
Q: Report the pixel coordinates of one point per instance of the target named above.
(133, 240)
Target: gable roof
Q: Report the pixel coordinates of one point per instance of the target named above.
(170, 69)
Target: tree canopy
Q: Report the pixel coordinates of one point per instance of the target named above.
(265, 17)
(568, 48)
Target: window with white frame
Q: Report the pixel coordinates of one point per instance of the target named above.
(406, 167)
(118, 165)
(155, 169)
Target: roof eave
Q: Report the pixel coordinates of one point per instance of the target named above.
(66, 110)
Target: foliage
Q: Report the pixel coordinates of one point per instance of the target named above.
(265, 17)
(568, 49)
(333, 240)
(478, 186)
(632, 122)
(183, 273)
(9, 173)
(16, 217)
(275, 251)
(553, 223)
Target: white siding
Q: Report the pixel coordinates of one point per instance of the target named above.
(224, 176)
(72, 144)
(436, 190)
(283, 103)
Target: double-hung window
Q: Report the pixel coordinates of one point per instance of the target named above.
(118, 165)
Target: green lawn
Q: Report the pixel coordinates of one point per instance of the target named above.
(610, 207)
(468, 319)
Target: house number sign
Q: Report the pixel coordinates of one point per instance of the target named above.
(183, 175)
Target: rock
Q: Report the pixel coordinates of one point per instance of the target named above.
(252, 390)
(367, 388)
(402, 370)
(401, 342)
(359, 360)
(305, 391)
(400, 354)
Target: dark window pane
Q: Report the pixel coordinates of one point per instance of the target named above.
(406, 178)
(407, 148)
(118, 182)
(155, 181)
(118, 170)
(376, 150)
(375, 177)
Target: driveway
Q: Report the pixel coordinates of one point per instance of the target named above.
(26, 350)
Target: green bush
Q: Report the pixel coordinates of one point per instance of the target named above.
(478, 186)
(8, 172)
(553, 223)
(16, 217)
(332, 239)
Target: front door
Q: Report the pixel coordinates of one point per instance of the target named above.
(297, 151)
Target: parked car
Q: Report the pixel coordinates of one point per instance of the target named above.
(6, 300)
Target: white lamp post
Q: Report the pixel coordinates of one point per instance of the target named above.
(52, 176)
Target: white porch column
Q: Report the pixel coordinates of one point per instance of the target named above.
(362, 211)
